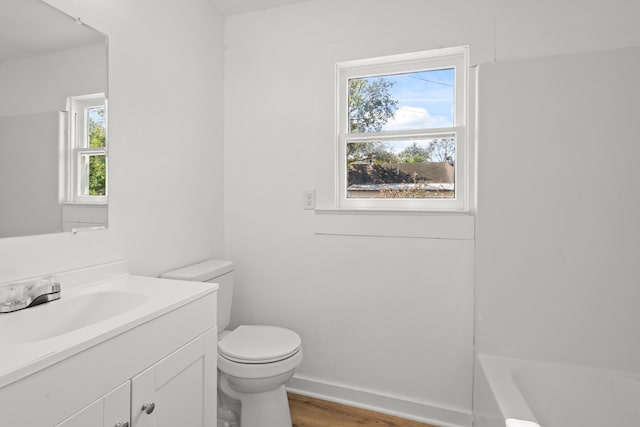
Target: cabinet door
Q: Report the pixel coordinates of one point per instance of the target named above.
(117, 407)
(89, 416)
(109, 411)
(179, 390)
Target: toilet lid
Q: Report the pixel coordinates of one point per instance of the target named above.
(259, 344)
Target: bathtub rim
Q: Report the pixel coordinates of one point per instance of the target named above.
(500, 373)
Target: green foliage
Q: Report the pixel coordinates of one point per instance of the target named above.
(97, 129)
(370, 107)
(370, 104)
(370, 152)
(415, 154)
(97, 176)
(97, 163)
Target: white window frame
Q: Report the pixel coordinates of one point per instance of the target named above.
(421, 61)
(77, 128)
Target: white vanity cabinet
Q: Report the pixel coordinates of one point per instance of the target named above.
(161, 355)
(179, 390)
(112, 410)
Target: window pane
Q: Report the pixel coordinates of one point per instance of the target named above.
(401, 169)
(408, 101)
(96, 129)
(93, 175)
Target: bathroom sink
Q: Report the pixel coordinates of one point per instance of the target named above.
(66, 315)
(86, 315)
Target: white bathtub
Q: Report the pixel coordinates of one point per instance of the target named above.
(531, 394)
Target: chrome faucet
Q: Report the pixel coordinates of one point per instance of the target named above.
(28, 293)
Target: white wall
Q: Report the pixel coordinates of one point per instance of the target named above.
(557, 274)
(385, 321)
(29, 185)
(166, 164)
(557, 239)
(40, 84)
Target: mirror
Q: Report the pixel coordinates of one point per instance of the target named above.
(53, 121)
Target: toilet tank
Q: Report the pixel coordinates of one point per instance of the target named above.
(214, 271)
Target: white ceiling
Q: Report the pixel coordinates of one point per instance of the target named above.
(32, 27)
(235, 7)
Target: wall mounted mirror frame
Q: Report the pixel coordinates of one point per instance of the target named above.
(53, 121)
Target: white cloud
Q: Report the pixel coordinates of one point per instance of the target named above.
(414, 118)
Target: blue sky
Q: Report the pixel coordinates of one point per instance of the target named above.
(425, 99)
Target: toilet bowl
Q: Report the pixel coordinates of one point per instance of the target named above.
(254, 361)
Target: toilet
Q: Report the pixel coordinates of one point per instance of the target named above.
(254, 361)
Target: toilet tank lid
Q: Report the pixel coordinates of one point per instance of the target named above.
(202, 271)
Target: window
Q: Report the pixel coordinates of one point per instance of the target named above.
(87, 149)
(402, 132)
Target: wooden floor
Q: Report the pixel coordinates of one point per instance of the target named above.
(310, 412)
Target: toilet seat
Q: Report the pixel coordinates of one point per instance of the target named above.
(259, 344)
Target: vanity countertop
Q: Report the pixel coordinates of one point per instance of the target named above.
(38, 337)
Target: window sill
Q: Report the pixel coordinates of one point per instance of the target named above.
(88, 204)
(419, 224)
(370, 211)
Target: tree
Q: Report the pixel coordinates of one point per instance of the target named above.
(371, 105)
(97, 175)
(370, 152)
(97, 163)
(97, 129)
(443, 150)
(415, 154)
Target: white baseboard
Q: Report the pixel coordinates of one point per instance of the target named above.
(411, 410)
